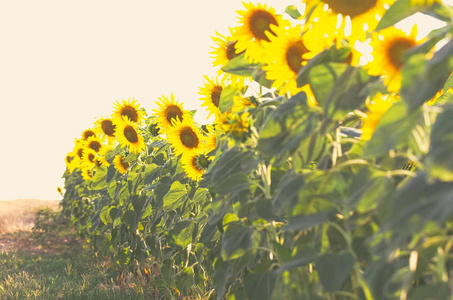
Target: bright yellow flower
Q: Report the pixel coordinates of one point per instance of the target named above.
(128, 110)
(59, 190)
(389, 46)
(120, 164)
(105, 128)
(184, 137)
(288, 52)
(210, 93)
(236, 125)
(169, 110)
(254, 30)
(88, 133)
(377, 107)
(195, 164)
(87, 174)
(129, 136)
(94, 144)
(210, 139)
(240, 102)
(339, 19)
(88, 158)
(72, 161)
(224, 51)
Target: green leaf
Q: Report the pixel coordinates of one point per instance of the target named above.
(292, 11)
(339, 88)
(182, 233)
(99, 178)
(440, 157)
(333, 269)
(240, 66)
(401, 9)
(226, 97)
(152, 171)
(231, 162)
(288, 188)
(185, 280)
(434, 291)
(308, 221)
(174, 197)
(307, 256)
(423, 79)
(105, 216)
(259, 286)
(237, 239)
(393, 129)
(232, 184)
(130, 219)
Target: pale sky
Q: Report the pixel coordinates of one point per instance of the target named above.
(64, 63)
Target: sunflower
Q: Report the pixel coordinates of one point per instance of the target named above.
(210, 93)
(88, 158)
(337, 19)
(72, 161)
(129, 136)
(88, 133)
(184, 137)
(377, 107)
(94, 144)
(236, 125)
(223, 52)
(59, 190)
(195, 164)
(389, 46)
(255, 29)
(87, 174)
(105, 128)
(128, 110)
(288, 52)
(100, 158)
(240, 102)
(169, 110)
(120, 164)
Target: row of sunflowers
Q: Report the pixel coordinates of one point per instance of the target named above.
(325, 173)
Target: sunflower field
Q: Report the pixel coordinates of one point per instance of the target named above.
(325, 173)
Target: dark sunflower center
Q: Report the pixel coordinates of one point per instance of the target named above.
(294, 56)
(188, 138)
(396, 51)
(91, 157)
(230, 50)
(173, 112)
(131, 134)
(95, 145)
(108, 127)
(87, 134)
(260, 22)
(351, 8)
(130, 112)
(195, 164)
(202, 161)
(124, 164)
(80, 152)
(215, 95)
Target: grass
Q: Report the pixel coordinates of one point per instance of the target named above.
(51, 263)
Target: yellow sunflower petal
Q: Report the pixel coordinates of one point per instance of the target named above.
(105, 129)
(195, 164)
(254, 30)
(210, 95)
(376, 109)
(169, 110)
(389, 46)
(128, 110)
(129, 136)
(184, 137)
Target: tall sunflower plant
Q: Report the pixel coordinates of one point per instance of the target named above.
(326, 172)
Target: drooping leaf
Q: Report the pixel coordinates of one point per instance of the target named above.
(333, 269)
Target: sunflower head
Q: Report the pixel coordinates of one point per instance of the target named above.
(256, 25)
(87, 134)
(59, 190)
(94, 144)
(389, 46)
(195, 164)
(128, 110)
(120, 164)
(105, 128)
(89, 158)
(129, 136)
(236, 125)
(168, 111)
(87, 174)
(184, 137)
(210, 95)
